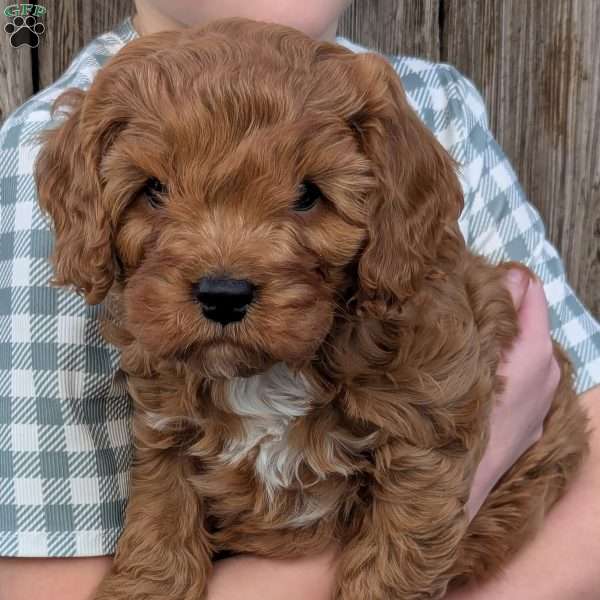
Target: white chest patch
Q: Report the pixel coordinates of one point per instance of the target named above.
(268, 403)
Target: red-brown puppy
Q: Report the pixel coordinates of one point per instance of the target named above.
(310, 348)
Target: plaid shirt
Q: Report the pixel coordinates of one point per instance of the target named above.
(65, 444)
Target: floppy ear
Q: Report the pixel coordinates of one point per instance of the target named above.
(67, 168)
(413, 213)
(69, 191)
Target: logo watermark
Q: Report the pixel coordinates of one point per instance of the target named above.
(24, 28)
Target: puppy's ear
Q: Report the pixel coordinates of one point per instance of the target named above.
(414, 211)
(66, 172)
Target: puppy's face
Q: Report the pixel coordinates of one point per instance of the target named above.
(238, 226)
(232, 180)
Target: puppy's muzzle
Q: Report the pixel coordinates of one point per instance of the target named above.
(224, 300)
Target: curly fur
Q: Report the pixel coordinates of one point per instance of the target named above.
(352, 402)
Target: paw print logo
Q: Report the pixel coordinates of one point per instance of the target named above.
(24, 31)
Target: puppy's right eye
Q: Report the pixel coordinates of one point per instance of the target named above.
(308, 196)
(155, 191)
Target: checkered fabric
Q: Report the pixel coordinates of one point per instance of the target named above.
(64, 411)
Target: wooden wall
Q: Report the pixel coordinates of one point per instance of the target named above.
(536, 63)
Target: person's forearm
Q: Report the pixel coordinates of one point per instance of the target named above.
(561, 563)
(52, 578)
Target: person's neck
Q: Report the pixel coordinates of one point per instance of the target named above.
(148, 20)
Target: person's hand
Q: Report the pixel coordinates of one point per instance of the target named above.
(532, 375)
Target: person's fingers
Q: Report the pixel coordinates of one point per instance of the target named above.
(533, 314)
(533, 345)
(517, 283)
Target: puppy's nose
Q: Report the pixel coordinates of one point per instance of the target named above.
(224, 300)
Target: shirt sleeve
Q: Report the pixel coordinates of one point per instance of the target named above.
(65, 442)
(499, 223)
(65, 414)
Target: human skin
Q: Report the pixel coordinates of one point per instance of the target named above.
(316, 18)
(561, 563)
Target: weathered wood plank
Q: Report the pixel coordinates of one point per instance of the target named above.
(16, 81)
(538, 67)
(73, 24)
(394, 27)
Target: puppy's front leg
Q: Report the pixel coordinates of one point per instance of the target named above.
(164, 552)
(406, 542)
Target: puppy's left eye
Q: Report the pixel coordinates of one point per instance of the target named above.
(308, 196)
(155, 191)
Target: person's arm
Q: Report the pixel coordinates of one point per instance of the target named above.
(561, 563)
(52, 578)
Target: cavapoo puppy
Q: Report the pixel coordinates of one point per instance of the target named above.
(310, 348)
